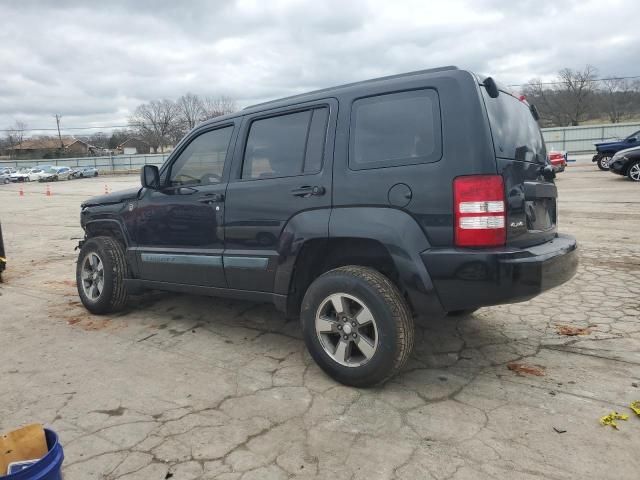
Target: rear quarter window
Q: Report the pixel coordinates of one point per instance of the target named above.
(395, 129)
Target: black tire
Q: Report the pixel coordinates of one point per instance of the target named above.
(462, 313)
(603, 162)
(392, 317)
(95, 174)
(633, 171)
(113, 296)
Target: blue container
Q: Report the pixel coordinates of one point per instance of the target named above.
(48, 467)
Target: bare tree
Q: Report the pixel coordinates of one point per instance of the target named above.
(99, 140)
(578, 87)
(191, 110)
(217, 106)
(156, 122)
(547, 103)
(15, 134)
(569, 100)
(617, 98)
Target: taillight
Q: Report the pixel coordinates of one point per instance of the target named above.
(480, 215)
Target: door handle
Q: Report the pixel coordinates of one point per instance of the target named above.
(212, 198)
(307, 191)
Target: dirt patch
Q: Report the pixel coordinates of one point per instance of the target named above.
(571, 331)
(523, 369)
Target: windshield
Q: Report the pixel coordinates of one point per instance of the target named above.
(516, 134)
(633, 135)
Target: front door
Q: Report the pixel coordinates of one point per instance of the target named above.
(282, 167)
(179, 232)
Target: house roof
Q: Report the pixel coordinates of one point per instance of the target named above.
(51, 143)
(135, 139)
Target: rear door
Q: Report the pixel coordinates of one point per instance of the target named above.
(282, 167)
(520, 156)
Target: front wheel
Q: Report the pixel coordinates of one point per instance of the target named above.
(603, 162)
(100, 274)
(357, 326)
(634, 171)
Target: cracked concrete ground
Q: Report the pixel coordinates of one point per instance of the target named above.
(206, 388)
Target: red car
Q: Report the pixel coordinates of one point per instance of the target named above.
(558, 161)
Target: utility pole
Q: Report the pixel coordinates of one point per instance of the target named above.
(58, 117)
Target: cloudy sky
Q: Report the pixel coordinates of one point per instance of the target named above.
(93, 61)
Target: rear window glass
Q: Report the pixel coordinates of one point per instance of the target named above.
(516, 134)
(395, 129)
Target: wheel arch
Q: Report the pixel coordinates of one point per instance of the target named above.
(386, 239)
(108, 227)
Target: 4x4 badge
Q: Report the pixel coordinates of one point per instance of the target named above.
(517, 224)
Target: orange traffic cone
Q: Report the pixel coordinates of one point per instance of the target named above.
(21, 192)
(48, 192)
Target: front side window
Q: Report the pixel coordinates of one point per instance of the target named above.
(286, 145)
(202, 162)
(395, 129)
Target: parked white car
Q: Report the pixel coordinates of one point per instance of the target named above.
(21, 175)
(5, 177)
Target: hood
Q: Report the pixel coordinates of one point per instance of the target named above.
(111, 198)
(633, 151)
(608, 142)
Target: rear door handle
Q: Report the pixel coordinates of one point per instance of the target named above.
(212, 198)
(307, 191)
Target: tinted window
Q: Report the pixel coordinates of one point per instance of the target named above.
(515, 132)
(276, 146)
(395, 129)
(286, 145)
(202, 162)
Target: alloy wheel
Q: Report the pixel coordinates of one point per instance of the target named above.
(346, 330)
(634, 172)
(92, 276)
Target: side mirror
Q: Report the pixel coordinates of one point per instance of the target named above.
(632, 140)
(150, 177)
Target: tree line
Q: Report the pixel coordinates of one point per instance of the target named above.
(572, 98)
(159, 123)
(165, 122)
(578, 96)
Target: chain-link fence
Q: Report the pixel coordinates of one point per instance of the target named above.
(581, 139)
(106, 164)
(571, 139)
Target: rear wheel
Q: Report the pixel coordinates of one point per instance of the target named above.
(634, 171)
(357, 326)
(603, 162)
(95, 174)
(100, 274)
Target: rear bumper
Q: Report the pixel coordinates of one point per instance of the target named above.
(465, 278)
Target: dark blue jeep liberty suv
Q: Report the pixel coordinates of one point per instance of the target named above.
(354, 208)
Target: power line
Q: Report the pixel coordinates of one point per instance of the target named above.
(592, 80)
(68, 128)
(589, 80)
